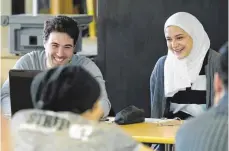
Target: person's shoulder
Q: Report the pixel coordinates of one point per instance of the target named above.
(117, 135)
(86, 63)
(29, 60)
(105, 128)
(199, 128)
(159, 66)
(161, 60)
(33, 55)
(81, 60)
(23, 113)
(21, 117)
(213, 55)
(213, 59)
(212, 51)
(209, 118)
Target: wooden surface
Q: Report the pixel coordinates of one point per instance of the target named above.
(152, 132)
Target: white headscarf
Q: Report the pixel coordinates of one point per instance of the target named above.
(179, 74)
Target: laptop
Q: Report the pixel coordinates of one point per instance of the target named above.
(20, 81)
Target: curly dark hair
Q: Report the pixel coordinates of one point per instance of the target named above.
(63, 24)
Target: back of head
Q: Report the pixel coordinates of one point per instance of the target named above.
(63, 24)
(65, 88)
(223, 73)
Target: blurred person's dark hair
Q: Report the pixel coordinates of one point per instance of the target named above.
(65, 88)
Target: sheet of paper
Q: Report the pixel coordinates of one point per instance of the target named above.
(147, 120)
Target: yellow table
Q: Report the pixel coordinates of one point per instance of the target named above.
(142, 132)
(152, 132)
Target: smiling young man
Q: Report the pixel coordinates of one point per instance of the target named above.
(60, 36)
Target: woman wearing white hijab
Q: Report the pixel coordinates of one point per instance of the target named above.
(181, 83)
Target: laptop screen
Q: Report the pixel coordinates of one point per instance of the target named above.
(20, 81)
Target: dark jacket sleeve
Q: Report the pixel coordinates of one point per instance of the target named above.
(157, 89)
(212, 68)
